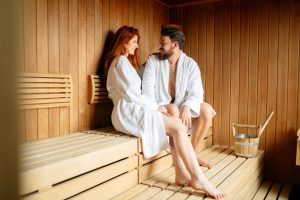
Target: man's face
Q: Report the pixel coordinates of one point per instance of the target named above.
(165, 47)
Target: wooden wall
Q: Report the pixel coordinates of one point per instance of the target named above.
(69, 37)
(248, 52)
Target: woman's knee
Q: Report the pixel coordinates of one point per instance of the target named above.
(173, 110)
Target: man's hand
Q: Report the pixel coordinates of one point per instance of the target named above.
(186, 116)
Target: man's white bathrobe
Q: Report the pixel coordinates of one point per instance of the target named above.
(188, 87)
(134, 113)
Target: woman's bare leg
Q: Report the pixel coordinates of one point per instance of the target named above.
(185, 150)
(182, 176)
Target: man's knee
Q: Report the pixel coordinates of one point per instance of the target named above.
(207, 112)
(173, 110)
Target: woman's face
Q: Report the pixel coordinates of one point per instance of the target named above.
(132, 45)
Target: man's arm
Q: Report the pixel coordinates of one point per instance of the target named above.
(195, 91)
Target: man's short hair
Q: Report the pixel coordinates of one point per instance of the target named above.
(175, 33)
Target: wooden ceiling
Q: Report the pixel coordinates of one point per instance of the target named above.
(185, 2)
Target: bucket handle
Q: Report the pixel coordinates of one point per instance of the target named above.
(242, 126)
(263, 126)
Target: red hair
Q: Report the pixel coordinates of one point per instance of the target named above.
(121, 38)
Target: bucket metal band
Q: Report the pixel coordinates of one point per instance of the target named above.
(247, 144)
(246, 154)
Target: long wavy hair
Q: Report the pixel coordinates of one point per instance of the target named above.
(117, 48)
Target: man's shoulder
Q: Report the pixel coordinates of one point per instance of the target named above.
(153, 56)
(190, 61)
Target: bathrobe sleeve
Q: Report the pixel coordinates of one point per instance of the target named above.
(149, 79)
(126, 76)
(194, 90)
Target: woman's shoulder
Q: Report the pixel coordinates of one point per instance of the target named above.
(119, 60)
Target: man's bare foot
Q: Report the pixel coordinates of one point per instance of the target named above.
(205, 163)
(208, 188)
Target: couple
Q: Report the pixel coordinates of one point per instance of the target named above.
(171, 80)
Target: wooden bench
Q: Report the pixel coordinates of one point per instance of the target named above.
(147, 167)
(78, 163)
(43, 90)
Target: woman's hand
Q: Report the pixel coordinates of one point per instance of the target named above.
(186, 116)
(162, 109)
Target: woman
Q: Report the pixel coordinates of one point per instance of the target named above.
(135, 114)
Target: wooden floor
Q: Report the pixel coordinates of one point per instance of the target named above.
(239, 178)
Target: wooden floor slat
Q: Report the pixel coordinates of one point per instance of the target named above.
(263, 190)
(148, 193)
(274, 191)
(131, 192)
(285, 192)
(179, 196)
(162, 195)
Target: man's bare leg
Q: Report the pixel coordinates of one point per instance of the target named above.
(200, 130)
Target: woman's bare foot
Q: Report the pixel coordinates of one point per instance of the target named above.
(208, 188)
(205, 163)
(181, 180)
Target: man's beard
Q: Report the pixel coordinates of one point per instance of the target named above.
(163, 55)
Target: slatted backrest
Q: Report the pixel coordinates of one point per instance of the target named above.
(44, 90)
(97, 90)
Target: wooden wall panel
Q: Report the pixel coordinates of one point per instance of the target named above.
(72, 37)
(251, 68)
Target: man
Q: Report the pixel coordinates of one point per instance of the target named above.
(171, 76)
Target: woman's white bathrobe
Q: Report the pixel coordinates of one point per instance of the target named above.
(134, 113)
(188, 87)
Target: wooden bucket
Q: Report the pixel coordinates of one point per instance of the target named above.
(246, 145)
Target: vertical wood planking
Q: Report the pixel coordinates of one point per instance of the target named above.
(253, 64)
(195, 37)
(225, 92)
(244, 62)
(82, 64)
(293, 77)
(152, 40)
(235, 60)
(53, 42)
(271, 150)
(99, 49)
(73, 56)
(201, 50)
(144, 46)
(262, 74)
(42, 62)
(113, 15)
(218, 72)
(30, 47)
(281, 107)
(210, 59)
(119, 12)
(125, 16)
(90, 46)
(64, 66)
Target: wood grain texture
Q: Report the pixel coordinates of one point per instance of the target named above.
(252, 68)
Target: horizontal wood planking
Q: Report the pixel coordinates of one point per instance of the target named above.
(259, 40)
